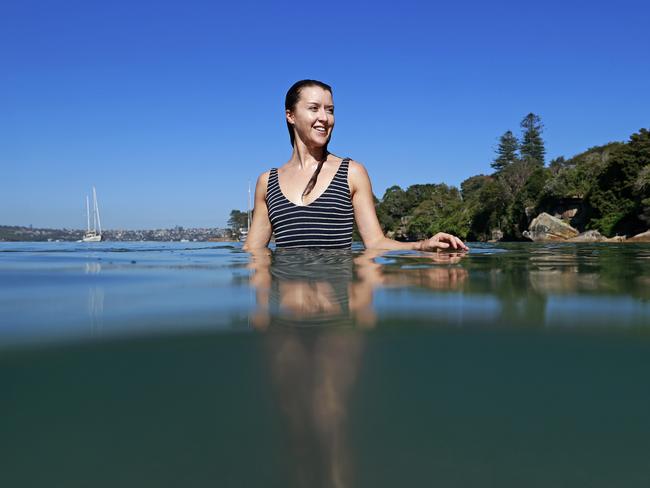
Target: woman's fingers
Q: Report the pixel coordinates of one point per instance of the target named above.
(453, 241)
(443, 237)
(461, 244)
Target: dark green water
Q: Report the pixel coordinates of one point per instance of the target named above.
(517, 365)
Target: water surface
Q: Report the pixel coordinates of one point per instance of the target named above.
(193, 364)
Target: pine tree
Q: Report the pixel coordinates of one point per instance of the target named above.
(532, 145)
(506, 152)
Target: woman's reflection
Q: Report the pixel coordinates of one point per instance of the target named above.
(305, 287)
(312, 304)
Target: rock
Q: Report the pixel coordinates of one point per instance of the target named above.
(545, 227)
(496, 235)
(643, 237)
(615, 239)
(589, 236)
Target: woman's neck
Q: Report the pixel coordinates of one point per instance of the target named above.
(305, 157)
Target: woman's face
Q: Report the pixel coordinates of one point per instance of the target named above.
(313, 116)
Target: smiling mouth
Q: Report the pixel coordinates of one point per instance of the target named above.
(321, 130)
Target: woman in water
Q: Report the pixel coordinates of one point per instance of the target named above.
(314, 198)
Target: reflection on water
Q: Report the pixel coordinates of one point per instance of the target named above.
(96, 309)
(304, 296)
(306, 287)
(511, 286)
(314, 371)
(346, 368)
(95, 301)
(58, 290)
(312, 375)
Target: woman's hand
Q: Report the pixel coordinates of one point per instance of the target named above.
(442, 241)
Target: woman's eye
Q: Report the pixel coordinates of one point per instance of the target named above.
(313, 109)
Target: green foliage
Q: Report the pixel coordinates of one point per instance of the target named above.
(238, 220)
(14, 233)
(441, 211)
(515, 176)
(644, 215)
(573, 178)
(532, 145)
(471, 187)
(394, 205)
(423, 210)
(557, 164)
(524, 203)
(506, 152)
(619, 192)
(611, 183)
(488, 209)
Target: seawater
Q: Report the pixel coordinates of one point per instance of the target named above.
(194, 364)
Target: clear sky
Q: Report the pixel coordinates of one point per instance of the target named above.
(170, 108)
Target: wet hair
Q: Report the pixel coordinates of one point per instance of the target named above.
(290, 101)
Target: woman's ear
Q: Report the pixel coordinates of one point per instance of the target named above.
(290, 118)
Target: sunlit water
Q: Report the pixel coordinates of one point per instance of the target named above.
(169, 364)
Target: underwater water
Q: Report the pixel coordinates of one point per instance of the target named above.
(193, 364)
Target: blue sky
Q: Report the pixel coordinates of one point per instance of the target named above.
(171, 108)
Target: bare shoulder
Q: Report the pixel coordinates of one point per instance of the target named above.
(357, 175)
(264, 178)
(262, 183)
(356, 167)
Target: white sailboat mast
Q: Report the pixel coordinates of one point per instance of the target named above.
(99, 223)
(87, 215)
(249, 206)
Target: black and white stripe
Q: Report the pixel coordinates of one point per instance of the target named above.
(326, 222)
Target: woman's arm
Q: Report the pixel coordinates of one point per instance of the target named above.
(368, 224)
(260, 232)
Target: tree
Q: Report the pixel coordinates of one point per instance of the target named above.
(506, 152)
(442, 212)
(618, 196)
(532, 145)
(471, 187)
(514, 176)
(393, 206)
(416, 194)
(642, 188)
(237, 220)
(556, 165)
(491, 203)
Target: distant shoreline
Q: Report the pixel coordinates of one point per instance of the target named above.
(30, 234)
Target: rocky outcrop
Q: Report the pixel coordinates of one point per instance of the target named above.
(616, 238)
(589, 236)
(643, 237)
(496, 235)
(545, 227)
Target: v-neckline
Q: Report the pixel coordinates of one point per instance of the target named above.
(277, 176)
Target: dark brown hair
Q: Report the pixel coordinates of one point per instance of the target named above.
(290, 101)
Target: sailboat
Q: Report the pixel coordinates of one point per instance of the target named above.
(243, 233)
(94, 234)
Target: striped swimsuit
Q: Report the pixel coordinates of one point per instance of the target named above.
(326, 222)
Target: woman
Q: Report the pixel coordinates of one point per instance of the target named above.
(313, 200)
